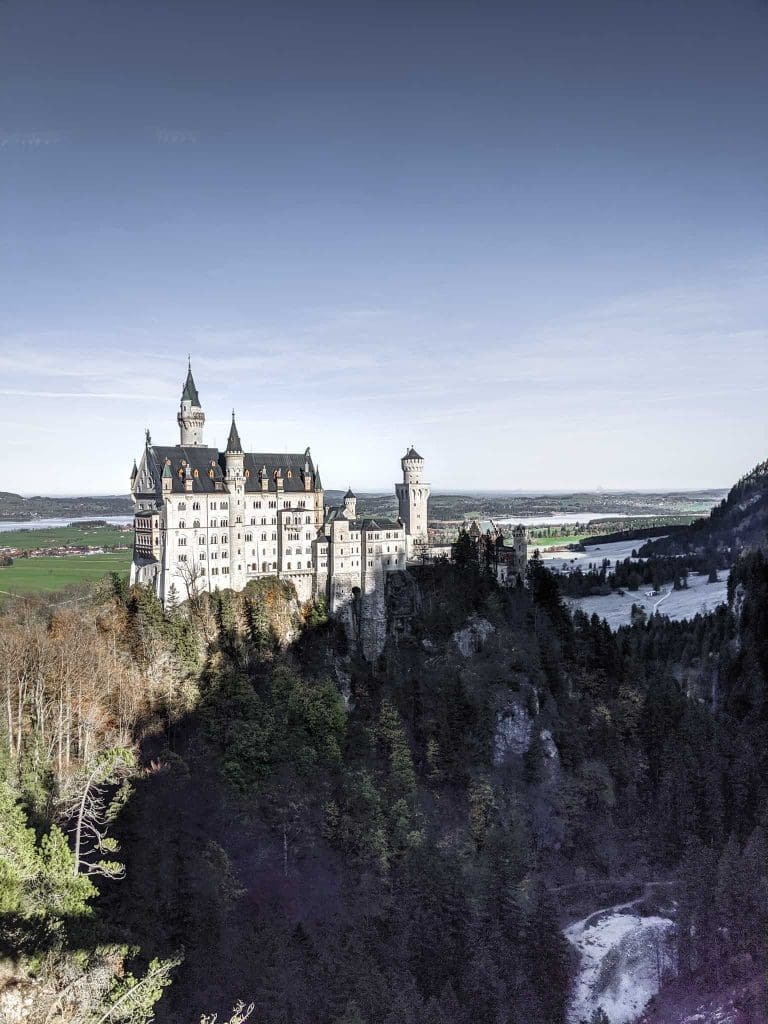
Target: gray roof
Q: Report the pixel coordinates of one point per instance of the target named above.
(207, 466)
(412, 454)
(380, 524)
(349, 494)
(190, 391)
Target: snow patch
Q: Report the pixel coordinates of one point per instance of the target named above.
(623, 960)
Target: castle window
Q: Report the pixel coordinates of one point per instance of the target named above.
(196, 524)
(201, 556)
(225, 570)
(224, 554)
(248, 537)
(289, 474)
(201, 540)
(289, 565)
(213, 505)
(225, 522)
(196, 474)
(213, 524)
(182, 506)
(182, 524)
(257, 504)
(214, 539)
(214, 555)
(225, 504)
(182, 542)
(182, 558)
(263, 536)
(298, 565)
(253, 520)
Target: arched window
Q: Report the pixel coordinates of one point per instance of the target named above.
(182, 524)
(196, 524)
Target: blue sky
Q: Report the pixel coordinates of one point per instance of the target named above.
(528, 237)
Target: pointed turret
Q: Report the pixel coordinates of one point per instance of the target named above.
(191, 418)
(233, 441)
(234, 459)
(190, 391)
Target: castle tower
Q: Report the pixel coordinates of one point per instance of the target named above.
(191, 417)
(520, 543)
(412, 499)
(319, 498)
(234, 458)
(350, 505)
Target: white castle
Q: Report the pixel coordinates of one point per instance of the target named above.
(207, 520)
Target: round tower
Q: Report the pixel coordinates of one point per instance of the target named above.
(413, 499)
(350, 505)
(520, 543)
(191, 418)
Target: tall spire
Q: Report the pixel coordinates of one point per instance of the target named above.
(189, 394)
(191, 418)
(233, 442)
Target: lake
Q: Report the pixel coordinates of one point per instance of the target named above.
(49, 524)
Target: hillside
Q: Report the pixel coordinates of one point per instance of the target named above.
(343, 842)
(15, 508)
(739, 523)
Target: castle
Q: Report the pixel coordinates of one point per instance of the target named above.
(207, 520)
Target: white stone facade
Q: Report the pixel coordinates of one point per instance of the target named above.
(207, 520)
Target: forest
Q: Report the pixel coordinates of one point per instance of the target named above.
(221, 809)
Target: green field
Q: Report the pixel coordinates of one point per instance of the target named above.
(549, 542)
(33, 575)
(95, 537)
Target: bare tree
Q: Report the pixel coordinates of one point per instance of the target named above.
(95, 797)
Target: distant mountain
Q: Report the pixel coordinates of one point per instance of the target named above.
(14, 507)
(739, 523)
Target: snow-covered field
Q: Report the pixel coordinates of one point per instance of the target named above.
(567, 561)
(624, 958)
(700, 596)
(615, 608)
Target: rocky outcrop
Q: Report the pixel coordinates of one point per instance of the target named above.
(513, 730)
(474, 636)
